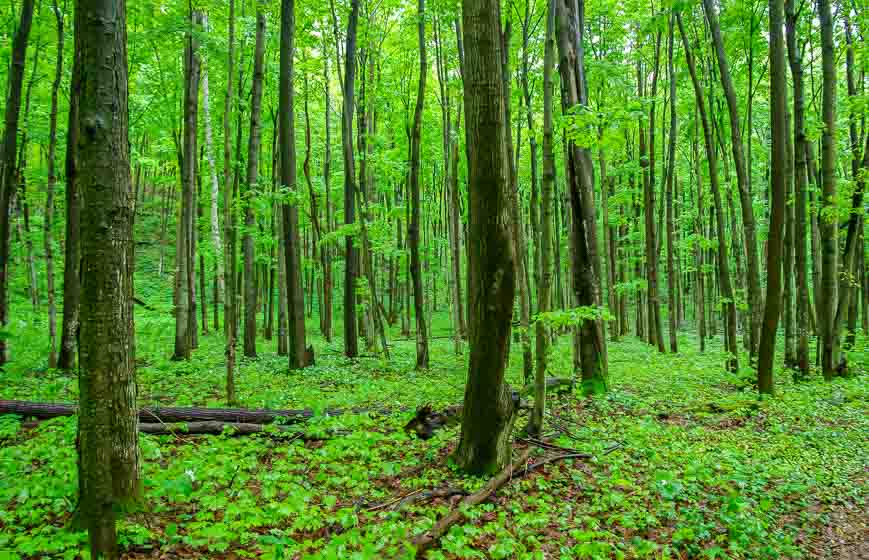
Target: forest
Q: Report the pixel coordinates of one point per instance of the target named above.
(443, 279)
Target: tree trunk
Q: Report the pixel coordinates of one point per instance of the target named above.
(351, 342)
(535, 424)
(251, 188)
(14, 83)
(723, 263)
(49, 195)
(586, 282)
(327, 171)
(829, 230)
(109, 472)
(778, 208)
(671, 172)
(229, 318)
(184, 263)
(745, 199)
(295, 297)
(217, 246)
(422, 361)
(487, 417)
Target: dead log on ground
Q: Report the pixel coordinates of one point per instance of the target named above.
(169, 414)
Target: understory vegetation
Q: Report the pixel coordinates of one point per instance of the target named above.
(702, 468)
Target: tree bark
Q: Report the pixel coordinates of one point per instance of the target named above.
(586, 281)
(295, 297)
(109, 472)
(487, 417)
(535, 425)
(185, 314)
(745, 199)
(49, 195)
(422, 359)
(351, 342)
(671, 172)
(723, 263)
(828, 225)
(14, 83)
(251, 188)
(778, 202)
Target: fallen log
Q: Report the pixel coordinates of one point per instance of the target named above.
(214, 428)
(170, 414)
(427, 540)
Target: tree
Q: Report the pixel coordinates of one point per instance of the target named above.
(109, 474)
(544, 297)
(586, 287)
(8, 161)
(487, 417)
(251, 182)
(827, 221)
(351, 343)
(290, 213)
(778, 162)
(185, 264)
(742, 179)
(229, 317)
(723, 263)
(413, 226)
(49, 197)
(671, 172)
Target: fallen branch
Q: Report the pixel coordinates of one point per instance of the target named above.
(216, 428)
(168, 415)
(427, 540)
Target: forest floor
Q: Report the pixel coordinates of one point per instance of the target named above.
(703, 468)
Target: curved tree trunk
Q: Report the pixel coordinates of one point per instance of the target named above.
(487, 417)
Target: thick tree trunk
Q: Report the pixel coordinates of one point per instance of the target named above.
(251, 188)
(422, 360)
(295, 298)
(14, 83)
(487, 418)
(49, 195)
(723, 263)
(778, 202)
(109, 472)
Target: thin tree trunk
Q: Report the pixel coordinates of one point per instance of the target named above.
(351, 342)
(14, 83)
(671, 172)
(229, 318)
(586, 281)
(422, 360)
(535, 425)
(296, 311)
(778, 208)
(745, 199)
(723, 263)
(217, 246)
(327, 170)
(49, 195)
(829, 230)
(251, 188)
